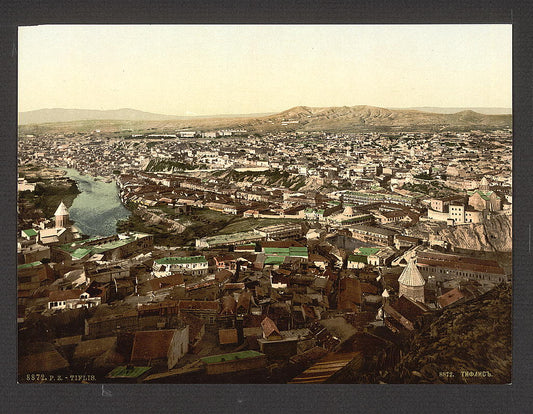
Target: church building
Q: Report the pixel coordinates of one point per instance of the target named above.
(412, 282)
(484, 199)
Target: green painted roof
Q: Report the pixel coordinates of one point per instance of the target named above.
(30, 232)
(111, 245)
(277, 250)
(358, 258)
(80, 248)
(287, 251)
(70, 247)
(274, 260)
(124, 372)
(214, 359)
(233, 237)
(80, 253)
(368, 251)
(181, 260)
(485, 195)
(28, 265)
(298, 251)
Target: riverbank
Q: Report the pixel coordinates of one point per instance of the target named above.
(98, 208)
(51, 188)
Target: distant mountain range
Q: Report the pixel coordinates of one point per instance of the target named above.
(443, 110)
(364, 117)
(42, 116)
(300, 118)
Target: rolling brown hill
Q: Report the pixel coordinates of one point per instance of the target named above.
(369, 117)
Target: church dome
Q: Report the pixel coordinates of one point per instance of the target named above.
(61, 210)
(411, 276)
(484, 184)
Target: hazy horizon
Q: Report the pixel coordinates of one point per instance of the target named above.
(205, 70)
(421, 108)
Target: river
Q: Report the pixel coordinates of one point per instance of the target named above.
(97, 208)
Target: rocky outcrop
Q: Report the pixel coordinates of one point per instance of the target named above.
(468, 344)
(495, 234)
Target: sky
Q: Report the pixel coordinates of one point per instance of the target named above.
(241, 69)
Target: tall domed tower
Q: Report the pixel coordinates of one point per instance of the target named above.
(62, 216)
(484, 184)
(412, 282)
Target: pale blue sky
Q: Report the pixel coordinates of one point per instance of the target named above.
(223, 69)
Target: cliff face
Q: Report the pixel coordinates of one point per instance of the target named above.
(496, 234)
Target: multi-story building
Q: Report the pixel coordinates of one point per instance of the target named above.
(442, 267)
(191, 265)
(357, 197)
(281, 231)
(372, 234)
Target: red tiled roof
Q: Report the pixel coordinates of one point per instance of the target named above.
(158, 283)
(269, 327)
(368, 288)
(460, 266)
(198, 304)
(450, 297)
(223, 275)
(149, 345)
(60, 295)
(407, 308)
(244, 300)
(227, 336)
(459, 262)
(234, 286)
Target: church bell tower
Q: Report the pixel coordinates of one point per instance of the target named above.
(62, 216)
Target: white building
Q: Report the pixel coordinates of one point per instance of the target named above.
(192, 265)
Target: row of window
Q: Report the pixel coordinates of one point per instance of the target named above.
(480, 276)
(56, 304)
